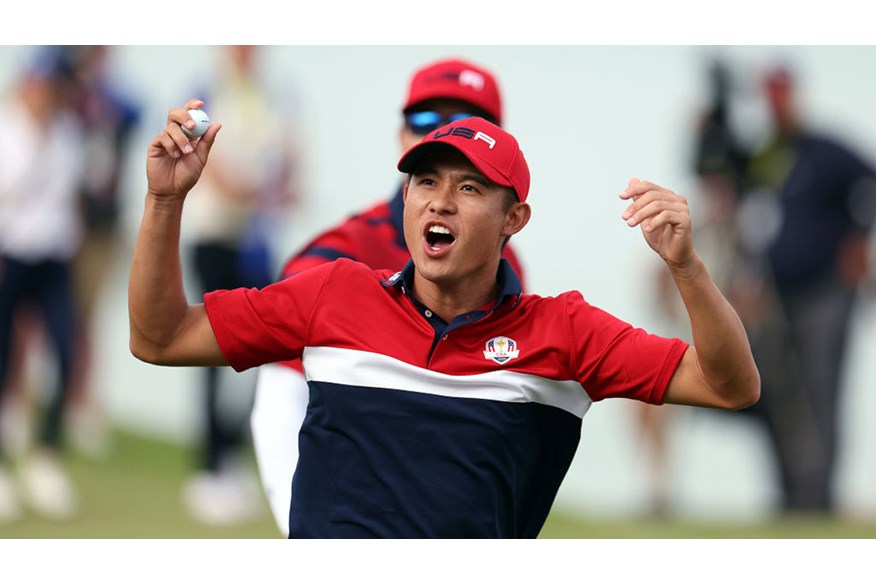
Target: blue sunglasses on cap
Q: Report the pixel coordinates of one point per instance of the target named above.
(421, 123)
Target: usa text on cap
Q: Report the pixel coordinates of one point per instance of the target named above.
(491, 150)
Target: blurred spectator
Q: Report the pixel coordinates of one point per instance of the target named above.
(40, 232)
(804, 220)
(785, 231)
(109, 118)
(236, 212)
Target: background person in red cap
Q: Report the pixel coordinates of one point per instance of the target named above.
(438, 93)
(444, 402)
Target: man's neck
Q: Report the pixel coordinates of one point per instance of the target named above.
(450, 301)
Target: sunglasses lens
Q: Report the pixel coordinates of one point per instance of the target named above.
(424, 122)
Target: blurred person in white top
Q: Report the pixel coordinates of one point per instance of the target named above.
(40, 232)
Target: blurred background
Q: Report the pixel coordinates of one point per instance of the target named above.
(588, 118)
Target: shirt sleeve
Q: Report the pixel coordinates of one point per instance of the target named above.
(254, 327)
(614, 359)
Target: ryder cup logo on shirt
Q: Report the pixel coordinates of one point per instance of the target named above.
(501, 349)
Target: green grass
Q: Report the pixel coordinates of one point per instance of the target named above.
(135, 493)
(564, 526)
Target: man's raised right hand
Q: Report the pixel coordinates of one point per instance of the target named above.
(174, 161)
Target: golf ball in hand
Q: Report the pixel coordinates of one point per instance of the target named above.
(202, 122)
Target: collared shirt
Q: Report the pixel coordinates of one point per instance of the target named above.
(509, 288)
(405, 436)
(375, 237)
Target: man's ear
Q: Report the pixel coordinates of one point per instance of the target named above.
(405, 185)
(516, 218)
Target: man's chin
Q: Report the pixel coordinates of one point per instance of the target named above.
(436, 272)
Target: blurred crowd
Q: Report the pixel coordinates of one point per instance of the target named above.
(71, 121)
(68, 132)
(784, 223)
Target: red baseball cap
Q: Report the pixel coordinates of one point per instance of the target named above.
(456, 79)
(492, 150)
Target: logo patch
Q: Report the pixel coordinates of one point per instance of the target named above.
(501, 350)
(471, 78)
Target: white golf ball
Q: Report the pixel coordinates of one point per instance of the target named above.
(202, 122)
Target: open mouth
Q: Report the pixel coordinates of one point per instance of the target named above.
(438, 237)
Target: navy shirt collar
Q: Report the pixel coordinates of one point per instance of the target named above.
(509, 282)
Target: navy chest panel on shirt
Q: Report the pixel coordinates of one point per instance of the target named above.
(384, 463)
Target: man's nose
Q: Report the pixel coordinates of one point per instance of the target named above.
(443, 200)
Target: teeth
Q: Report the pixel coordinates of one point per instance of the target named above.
(439, 229)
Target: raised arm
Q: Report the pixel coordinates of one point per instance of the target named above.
(165, 329)
(718, 370)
